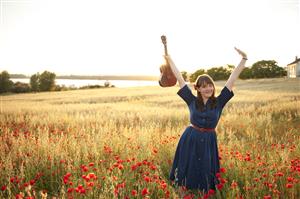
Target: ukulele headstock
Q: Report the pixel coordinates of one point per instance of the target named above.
(164, 39)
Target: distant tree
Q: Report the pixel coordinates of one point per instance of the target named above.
(20, 87)
(230, 67)
(194, 75)
(279, 71)
(267, 69)
(184, 75)
(34, 82)
(47, 81)
(219, 73)
(5, 83)
(246, 74)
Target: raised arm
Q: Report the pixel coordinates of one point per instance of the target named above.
(176, 72)
(237, 71)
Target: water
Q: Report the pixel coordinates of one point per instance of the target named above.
(85, 82)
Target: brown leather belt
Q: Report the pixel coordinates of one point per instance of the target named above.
(202, 129)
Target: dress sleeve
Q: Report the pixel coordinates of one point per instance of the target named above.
(186, 94)
(224, 96)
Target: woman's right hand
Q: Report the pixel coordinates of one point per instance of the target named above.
(243, 54)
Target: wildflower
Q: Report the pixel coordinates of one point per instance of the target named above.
(120, 166)
(189, 196)
(133, 192)
(211, 192)
(234, 185)
(121, 185)
(154, 150)
(91, 164)
(220, 186)
(147, 179)
(222, 170)
(82, 191)
(84, 168)
(90, 184)
(167, 194)
(289, 185)
(133, 167)
(62, 161)
(32, 182)
(3, 188)
(116, 191)
(92, 176)
(247, 158)
(267, 197)
(223, 181)
(256, 179)
(153, 167)
(290, 179)
(70, 190)
(270, 185)
(145, 192)
(163, 185)
(19, 196)
(279, 174)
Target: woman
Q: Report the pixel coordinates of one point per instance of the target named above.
(196, 160)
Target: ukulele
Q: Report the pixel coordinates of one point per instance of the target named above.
(167, 77)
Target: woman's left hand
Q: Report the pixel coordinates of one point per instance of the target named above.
(244, 55)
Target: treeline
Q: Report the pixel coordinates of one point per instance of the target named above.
(260, 69)
(110, 77)
(38, 83)
(46, 80)
(98, 77)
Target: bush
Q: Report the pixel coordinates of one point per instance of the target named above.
(20, 87)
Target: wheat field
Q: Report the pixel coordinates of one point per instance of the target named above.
(120, 142)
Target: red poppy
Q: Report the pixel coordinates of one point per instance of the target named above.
(70, 190)
(91, 164)
(133, 192)
(289, 185)
(267, 197)
(234, 184)
(220, 186)
(147, 179)
(222, 170)
(211, 192)
(145, 192)
(3, 188)
(290, 179)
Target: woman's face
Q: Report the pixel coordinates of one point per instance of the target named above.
(206, 90)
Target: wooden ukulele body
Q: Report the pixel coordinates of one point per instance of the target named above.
(167, 77)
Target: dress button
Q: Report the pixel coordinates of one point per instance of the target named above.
(202, 140)
(199, 158)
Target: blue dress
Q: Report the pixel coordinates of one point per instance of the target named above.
(196, 160)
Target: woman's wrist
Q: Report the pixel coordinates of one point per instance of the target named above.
(245, 58)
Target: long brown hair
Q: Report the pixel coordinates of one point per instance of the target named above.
(202, 80)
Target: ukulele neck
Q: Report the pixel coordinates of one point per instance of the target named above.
(166, 49)
(164, 41)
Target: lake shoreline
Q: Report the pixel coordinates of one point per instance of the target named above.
(98, 77)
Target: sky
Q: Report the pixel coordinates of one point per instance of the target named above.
(122, 37)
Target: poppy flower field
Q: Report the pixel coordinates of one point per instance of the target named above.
(120, 143)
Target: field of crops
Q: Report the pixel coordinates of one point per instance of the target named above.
(120, 142)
